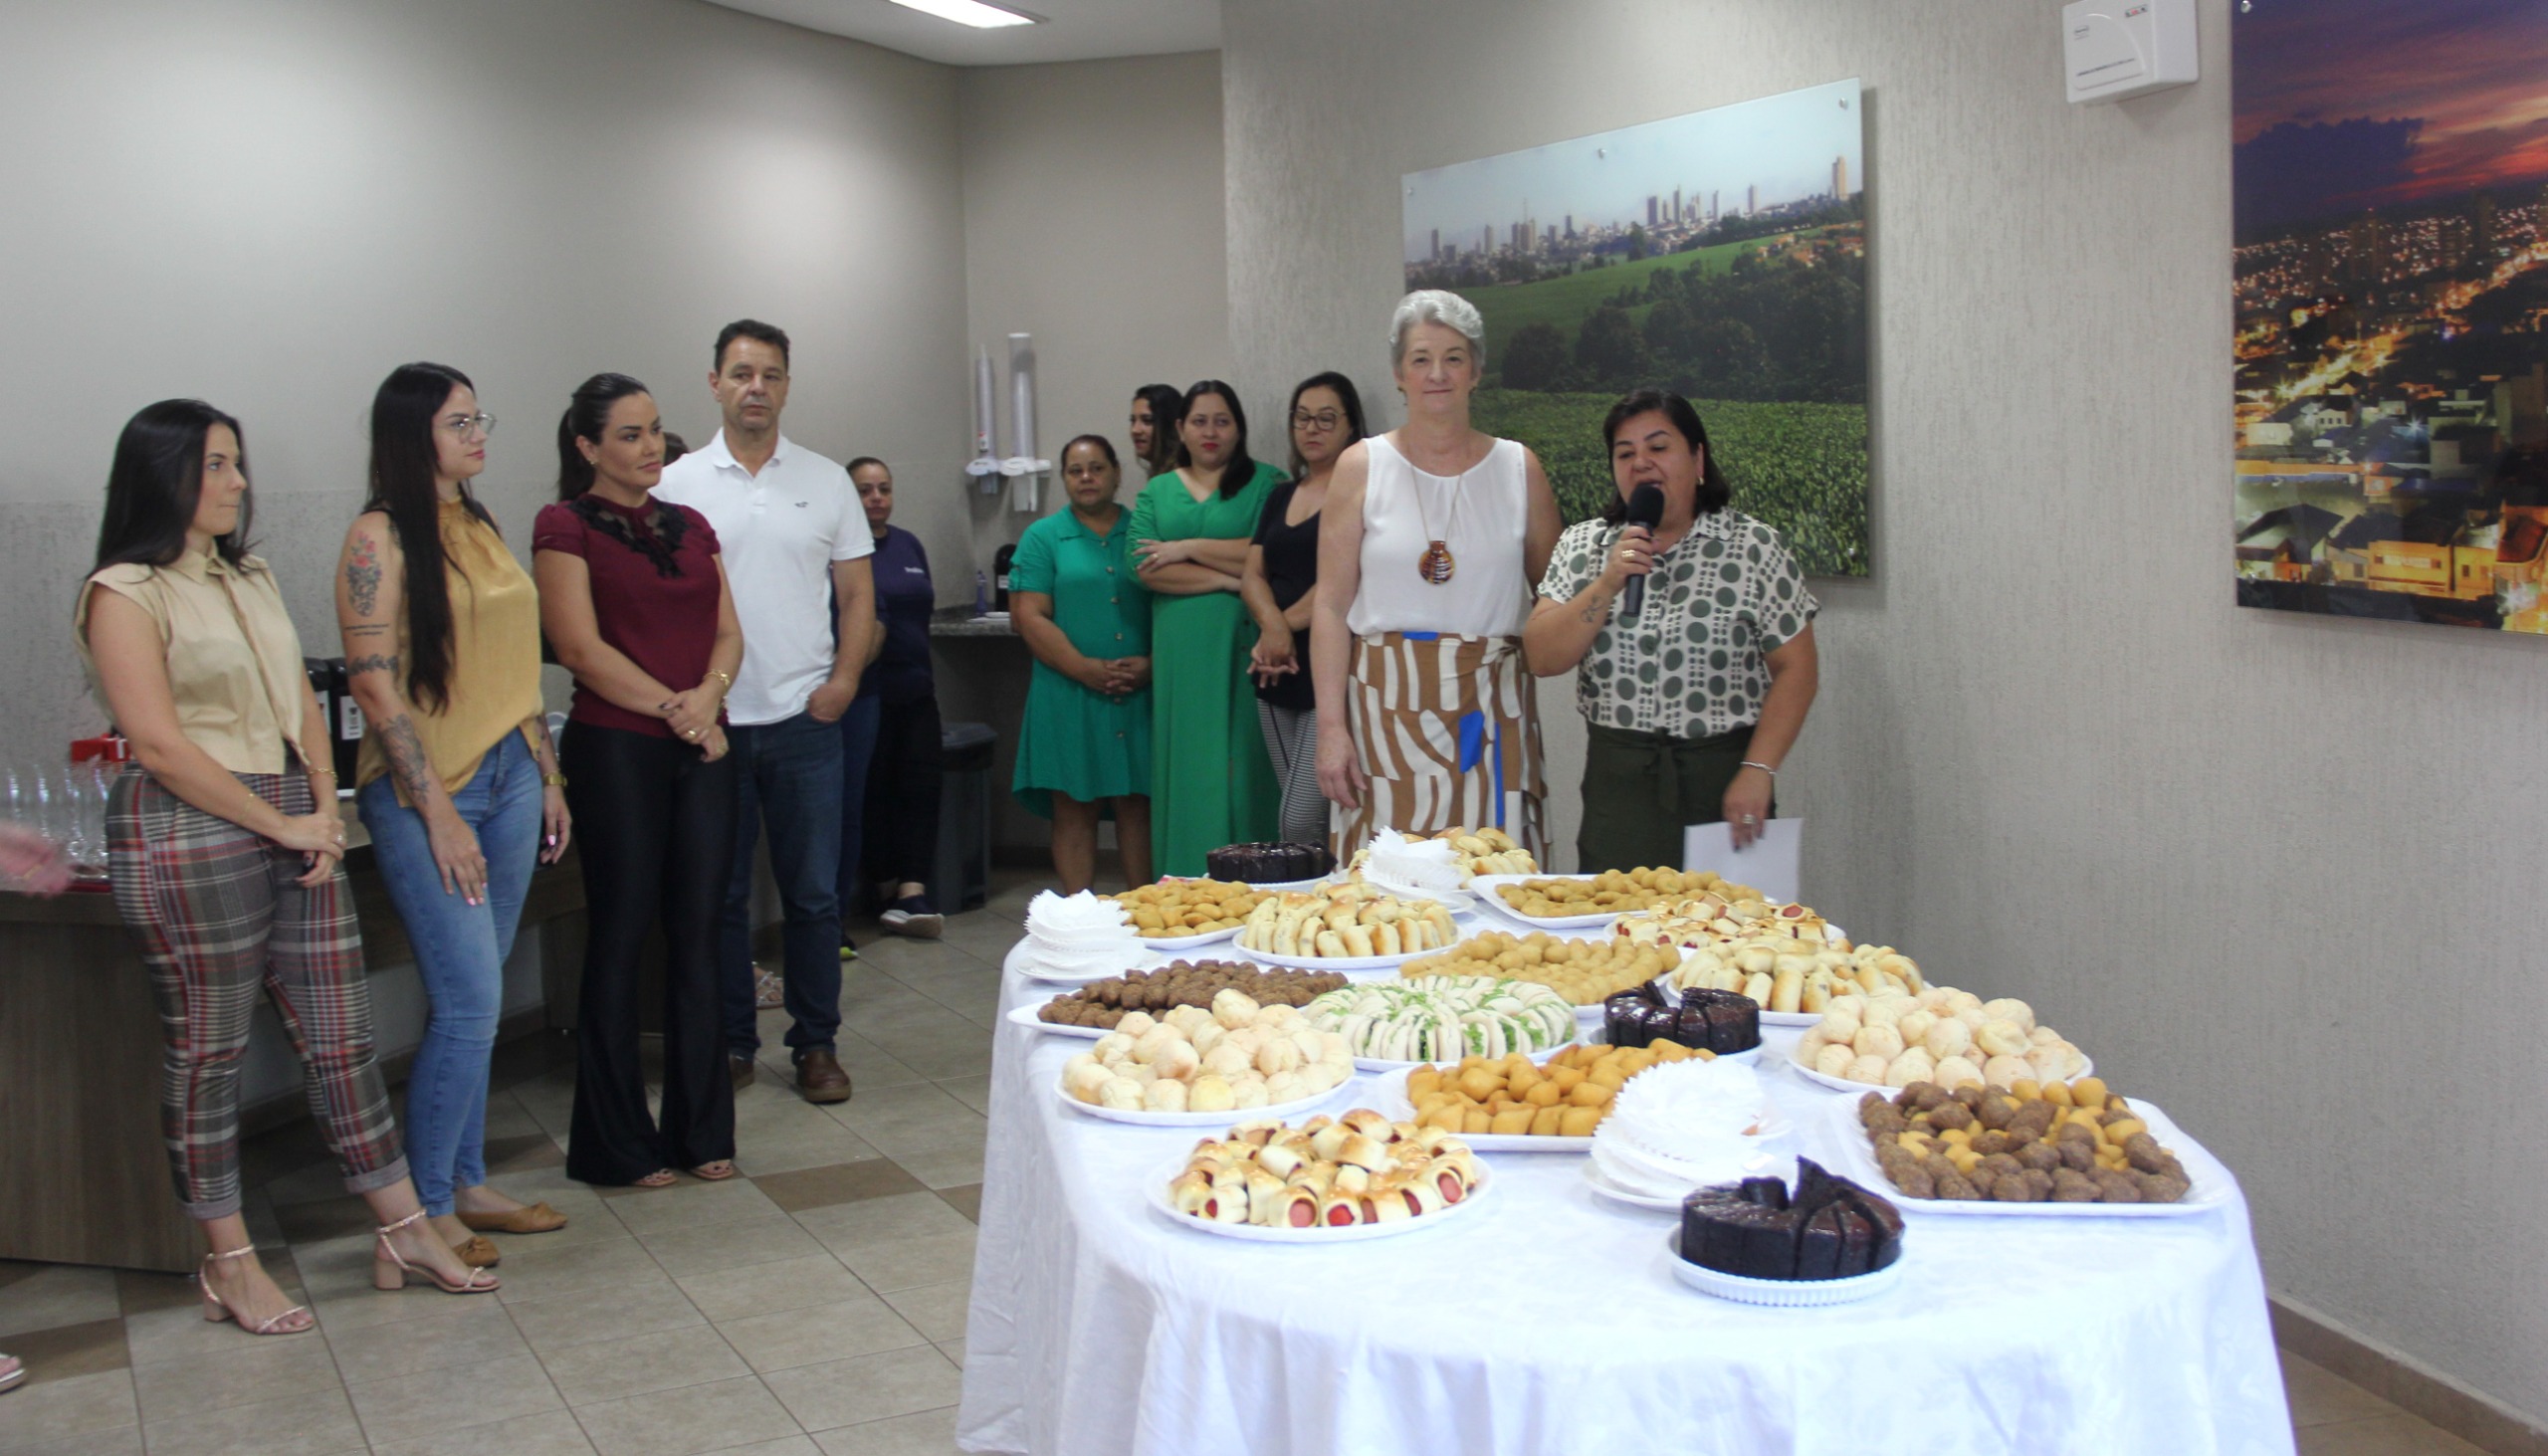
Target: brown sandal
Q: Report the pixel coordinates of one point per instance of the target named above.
(715, 1170)
(537, 1218)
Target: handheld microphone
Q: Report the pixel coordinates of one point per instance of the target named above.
(1645, 508)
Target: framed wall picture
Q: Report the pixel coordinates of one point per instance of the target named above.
(2391, 219)
(1721, 254)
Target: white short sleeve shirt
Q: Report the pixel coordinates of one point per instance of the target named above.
(781, 531)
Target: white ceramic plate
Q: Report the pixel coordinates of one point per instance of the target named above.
(1188, 942)
(1487, 887)
(1221, 1119)
(1796, 1064)
(1457, 901)
(1790, 1294)
(1388, 1097)
(1338, 963)
(1374, 1064)
(1025, 1016)
(1156, 1195)
(2210, 1186)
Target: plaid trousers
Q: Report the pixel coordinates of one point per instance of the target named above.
(217, 911)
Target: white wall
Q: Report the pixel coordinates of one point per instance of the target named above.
(270, 204)
(2272, 871)
(1093, 220)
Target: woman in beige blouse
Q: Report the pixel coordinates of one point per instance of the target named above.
(223, 840)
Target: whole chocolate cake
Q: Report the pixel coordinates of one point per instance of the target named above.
(1268, 864)
(1830, 1228)
(1717, 1021)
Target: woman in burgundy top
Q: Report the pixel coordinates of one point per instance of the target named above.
(633, 598)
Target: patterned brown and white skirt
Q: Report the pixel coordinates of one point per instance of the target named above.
(1448, 731)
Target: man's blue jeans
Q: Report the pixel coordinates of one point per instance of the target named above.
(790, 772)
(460, 957)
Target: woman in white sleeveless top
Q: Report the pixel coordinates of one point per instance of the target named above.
(1431, 538)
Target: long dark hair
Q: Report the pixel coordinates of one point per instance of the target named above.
(1713, 493)
(1241, 467)
(404, 457)
(1163, 401)
(1345, 391)
(158, 481)
(587, 415)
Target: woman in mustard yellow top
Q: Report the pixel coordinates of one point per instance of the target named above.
(459, 783)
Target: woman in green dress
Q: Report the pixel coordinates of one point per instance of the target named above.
(1212, 783)
(1076, 599)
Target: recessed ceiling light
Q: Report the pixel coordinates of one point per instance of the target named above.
(970, 12)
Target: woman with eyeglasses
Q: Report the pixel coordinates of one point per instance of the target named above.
(223, 840)
(1282, 570)
(458, 781)
(633, 596)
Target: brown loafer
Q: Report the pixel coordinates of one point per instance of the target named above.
(820, 1077)
(537, 1218)
(477, 1253)
(740, 1069)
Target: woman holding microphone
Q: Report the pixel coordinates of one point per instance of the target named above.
(1692, 704)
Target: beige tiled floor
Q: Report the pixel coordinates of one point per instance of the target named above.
(814, 1306)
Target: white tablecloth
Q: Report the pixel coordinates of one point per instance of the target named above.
(1547, 1321)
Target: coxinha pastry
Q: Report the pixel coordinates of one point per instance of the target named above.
(1358, 1169)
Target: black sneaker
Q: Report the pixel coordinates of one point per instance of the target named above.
(913, 916)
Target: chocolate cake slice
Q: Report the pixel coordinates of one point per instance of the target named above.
(1830, 1228)
(1268, 864)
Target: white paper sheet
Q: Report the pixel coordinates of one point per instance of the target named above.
(1769, 866)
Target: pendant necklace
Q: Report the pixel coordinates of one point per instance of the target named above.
(1436, 564)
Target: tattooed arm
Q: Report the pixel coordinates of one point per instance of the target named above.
(1560, 630)
(369, 598)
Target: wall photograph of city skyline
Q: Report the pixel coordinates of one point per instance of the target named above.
(2390, 184)
(1721, 254)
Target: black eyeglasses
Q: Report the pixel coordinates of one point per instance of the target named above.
(1326, 419)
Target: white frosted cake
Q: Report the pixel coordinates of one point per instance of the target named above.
(1685, 1124)
(1081, 936)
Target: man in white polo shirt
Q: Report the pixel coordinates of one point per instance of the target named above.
(795, 543)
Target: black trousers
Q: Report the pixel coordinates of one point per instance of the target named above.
(655, 828)
(1640, 789)
(902, 794)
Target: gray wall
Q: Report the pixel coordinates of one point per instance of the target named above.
(1093, 218)
(2268, 870)
(270, 204)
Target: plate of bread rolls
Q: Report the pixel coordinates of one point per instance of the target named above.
(1348, 926)
(1322, 1181)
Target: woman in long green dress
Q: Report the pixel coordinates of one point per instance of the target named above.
(1211, 784)
(1086, 746)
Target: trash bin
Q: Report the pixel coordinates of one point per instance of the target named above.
(964, 878)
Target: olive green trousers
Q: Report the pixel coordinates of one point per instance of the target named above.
(1640, 789)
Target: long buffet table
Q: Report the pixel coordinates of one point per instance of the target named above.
(1548, 1319)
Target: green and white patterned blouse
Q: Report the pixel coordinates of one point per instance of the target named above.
(1691, 665)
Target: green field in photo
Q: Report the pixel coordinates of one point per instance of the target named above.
(1802, 468)
(1562, 301)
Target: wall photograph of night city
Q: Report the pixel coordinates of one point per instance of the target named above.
(1721, 254)
(2391, 215)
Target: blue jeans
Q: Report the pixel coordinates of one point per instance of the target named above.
(459, 954)
(858, 732)
(790, 774)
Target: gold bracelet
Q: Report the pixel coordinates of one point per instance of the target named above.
(309, 772)
(554, 780)
(726, 679)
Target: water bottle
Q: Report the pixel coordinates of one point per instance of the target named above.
(981, 594)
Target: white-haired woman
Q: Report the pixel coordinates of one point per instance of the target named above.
(1430, 540)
